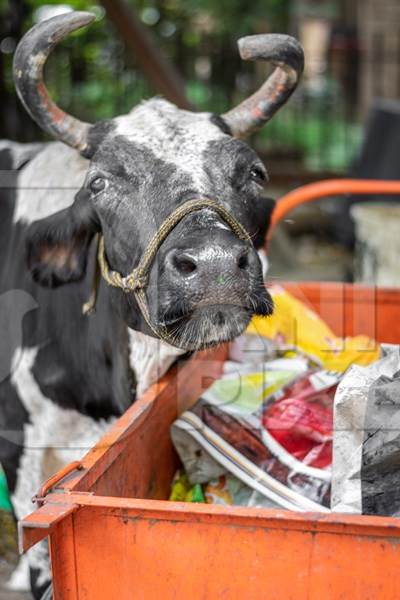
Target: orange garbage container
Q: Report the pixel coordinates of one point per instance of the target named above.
(113, 534)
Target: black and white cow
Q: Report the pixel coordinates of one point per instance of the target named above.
(65, 376)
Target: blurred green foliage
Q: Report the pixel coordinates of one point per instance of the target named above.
(106, 79)
(93, 76)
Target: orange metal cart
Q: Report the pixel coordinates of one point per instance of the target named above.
(113, 535)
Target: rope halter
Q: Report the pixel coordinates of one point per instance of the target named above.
(137, 280)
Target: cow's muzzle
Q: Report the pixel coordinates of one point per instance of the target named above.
(137, 281)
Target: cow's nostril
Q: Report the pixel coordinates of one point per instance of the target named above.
(243, 261)
(184, 264)
(219, 319)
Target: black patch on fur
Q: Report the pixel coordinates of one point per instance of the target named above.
(228, 164)
(7, 198)
(262, 209)
(13, 417)
(38, 591)
(13, 157)
(57, 246)
(97, 134)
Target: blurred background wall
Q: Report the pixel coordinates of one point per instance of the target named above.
(186, 50)
(95, 75)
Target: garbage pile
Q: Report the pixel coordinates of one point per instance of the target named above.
(300, 420)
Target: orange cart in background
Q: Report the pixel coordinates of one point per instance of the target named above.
(113, 534)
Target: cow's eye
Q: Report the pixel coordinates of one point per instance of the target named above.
(258, 175)
(97, 185)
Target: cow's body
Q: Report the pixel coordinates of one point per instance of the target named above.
(64, 376)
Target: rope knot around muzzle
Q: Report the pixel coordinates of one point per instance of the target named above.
(129, 283)
(137, 280)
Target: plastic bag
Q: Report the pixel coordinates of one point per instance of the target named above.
(302, 419)
(243, 390)
(183, 491)
(366, 443)
(231, 433)
(303, 428)
(4, 496)
(293, 326)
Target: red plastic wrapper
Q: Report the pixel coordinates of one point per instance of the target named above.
(302, 419)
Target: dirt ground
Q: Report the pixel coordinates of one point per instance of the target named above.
(8, 557)
(5, 571)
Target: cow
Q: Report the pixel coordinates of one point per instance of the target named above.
(157, 216)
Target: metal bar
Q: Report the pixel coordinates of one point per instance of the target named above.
(64, 563)
(55, 479)
(164, 510)
(331, 187)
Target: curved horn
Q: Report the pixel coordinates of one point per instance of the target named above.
(287, 55)
(29, 60)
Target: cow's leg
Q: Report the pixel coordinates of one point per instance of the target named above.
(39, 569)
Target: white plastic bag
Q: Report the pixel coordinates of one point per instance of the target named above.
(366, 439)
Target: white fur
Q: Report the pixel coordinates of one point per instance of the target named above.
(19, 580)
(264, 263)
(154, 124)
(150, 358)
(63, 172)
(174, 135)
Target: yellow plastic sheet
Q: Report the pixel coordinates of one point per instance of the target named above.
(294, 326)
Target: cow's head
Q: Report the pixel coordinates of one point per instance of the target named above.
(206, 282)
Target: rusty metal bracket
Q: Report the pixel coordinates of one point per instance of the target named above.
(40, 496)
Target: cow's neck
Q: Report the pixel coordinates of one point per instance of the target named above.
(149, 358)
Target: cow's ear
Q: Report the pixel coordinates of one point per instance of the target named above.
(262, 209)
(57, 246)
